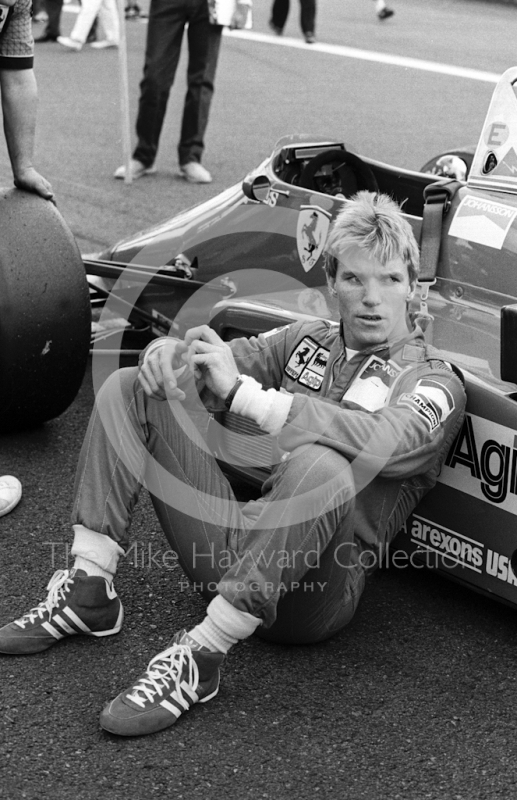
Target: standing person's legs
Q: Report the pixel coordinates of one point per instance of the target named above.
(382, 11)
(167, 19)
(108, 17)
(51, 32)
(204, 41)
(308, 16)
(84, 21)
(279, 14)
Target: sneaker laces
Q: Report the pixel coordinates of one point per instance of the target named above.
(165, 669)
(57, 586)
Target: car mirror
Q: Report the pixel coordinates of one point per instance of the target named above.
(256, 187)
(509, 343)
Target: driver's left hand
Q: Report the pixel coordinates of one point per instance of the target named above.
(211, 358)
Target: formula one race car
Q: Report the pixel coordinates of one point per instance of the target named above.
(250, 260)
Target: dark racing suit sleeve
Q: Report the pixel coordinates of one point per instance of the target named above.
(263, 357)
(402, 439)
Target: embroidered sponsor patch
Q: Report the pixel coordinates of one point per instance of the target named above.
(307, 363)
(372, 383)
(431, 400)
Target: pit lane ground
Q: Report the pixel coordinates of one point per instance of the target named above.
(414, 699)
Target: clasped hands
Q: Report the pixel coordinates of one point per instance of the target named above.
(202, 352)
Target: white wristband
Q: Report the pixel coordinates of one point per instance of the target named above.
(269, 409)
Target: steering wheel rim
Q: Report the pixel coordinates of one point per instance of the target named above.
(362, 171)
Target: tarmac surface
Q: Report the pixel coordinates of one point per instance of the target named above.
(415, 699)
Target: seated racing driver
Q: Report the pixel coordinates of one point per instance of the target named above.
(364, 413)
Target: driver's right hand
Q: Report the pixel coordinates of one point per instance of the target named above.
(161, 369)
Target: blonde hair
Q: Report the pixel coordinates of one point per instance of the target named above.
(375, 223)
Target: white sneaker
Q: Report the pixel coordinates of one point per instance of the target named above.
(137, 169)
(103, 44)
(72, 44)
(194, 172)
(10, 493)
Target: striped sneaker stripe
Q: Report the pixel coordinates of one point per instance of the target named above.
(63, 624)
(182, 702)
(188, 690)
(76, 621)
(53, 632)
(176, 711)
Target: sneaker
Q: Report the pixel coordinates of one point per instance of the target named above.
(385, 13)
(76, 603)
(72, 44)
(132, 11)
(103, 44)
(309, 38)
(10, 493)
(174, 681)
(275, 28)
(137, 170)
(194, 172)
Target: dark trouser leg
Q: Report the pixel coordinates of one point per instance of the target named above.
(279, 13)
(308, 16)
(53, 8)
(167, 19)
(204, 41)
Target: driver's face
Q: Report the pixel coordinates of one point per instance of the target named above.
(372, 298)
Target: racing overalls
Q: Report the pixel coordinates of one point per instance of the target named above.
(363, 440)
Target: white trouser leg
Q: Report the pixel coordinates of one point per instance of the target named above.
(108, 16)
(84, 21)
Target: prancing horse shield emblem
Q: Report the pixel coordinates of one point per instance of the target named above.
(311, 234)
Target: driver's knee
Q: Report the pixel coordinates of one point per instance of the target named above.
(311, 466)
(118, 388)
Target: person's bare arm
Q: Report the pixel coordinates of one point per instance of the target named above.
(19, 104)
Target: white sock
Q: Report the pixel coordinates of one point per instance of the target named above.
(95, 553)
(379, 5)
(224, 626)
(92, 569)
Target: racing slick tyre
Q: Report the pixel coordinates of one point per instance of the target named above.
(44, 312)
